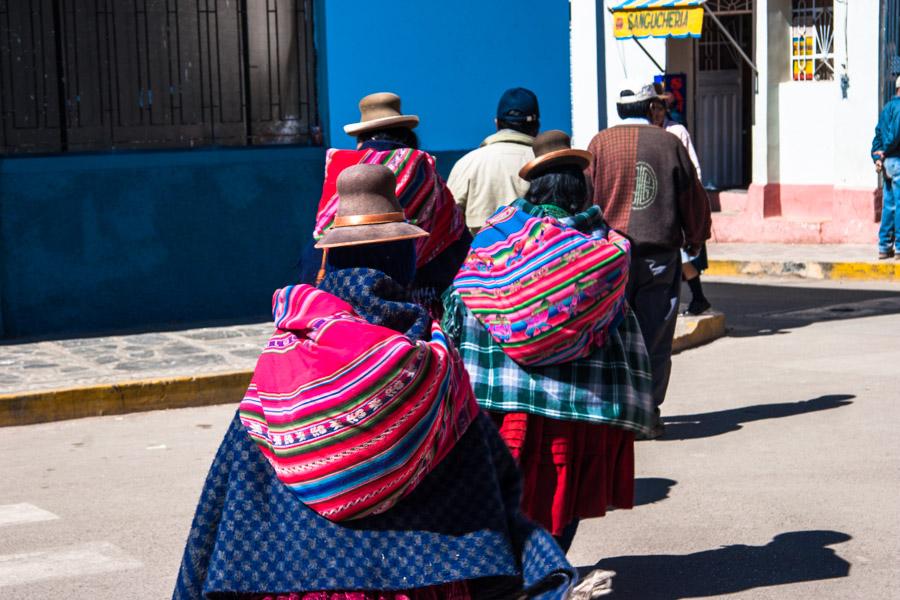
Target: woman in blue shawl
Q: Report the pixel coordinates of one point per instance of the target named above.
(459, 533)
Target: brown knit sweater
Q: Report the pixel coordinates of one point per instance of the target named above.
(645, 183)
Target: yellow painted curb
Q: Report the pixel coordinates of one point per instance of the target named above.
(691, 332)
(860, 271)
(884, 271)
(122, 397)
(28, 408)
(727, 268)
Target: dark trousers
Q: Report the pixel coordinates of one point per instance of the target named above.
(654, 286)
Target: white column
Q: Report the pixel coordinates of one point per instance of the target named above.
(760, 138)
(583, 65)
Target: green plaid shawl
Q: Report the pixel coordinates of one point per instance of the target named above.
(581, 221)
(610, 386)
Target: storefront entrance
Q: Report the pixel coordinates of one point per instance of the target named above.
(723, 109)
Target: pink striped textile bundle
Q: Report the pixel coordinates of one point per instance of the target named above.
(351, 415)
(425, 198)
(545, 291)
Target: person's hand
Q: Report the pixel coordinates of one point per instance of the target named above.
(879, 154)
(879, 164)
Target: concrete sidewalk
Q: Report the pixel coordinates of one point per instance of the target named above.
(70, 379)
(809, 261)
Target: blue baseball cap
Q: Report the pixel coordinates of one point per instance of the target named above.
(518, 105)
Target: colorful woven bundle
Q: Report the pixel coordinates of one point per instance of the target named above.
(546, 292)
(352, 415)
(425, 198)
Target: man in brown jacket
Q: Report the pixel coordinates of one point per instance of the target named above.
(644, 181)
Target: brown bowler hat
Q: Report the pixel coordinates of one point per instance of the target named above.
(368, 210)
(553, 148)
(380, 111)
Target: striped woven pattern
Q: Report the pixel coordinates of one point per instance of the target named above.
(545, 291)
(425, 198)
(352, 415)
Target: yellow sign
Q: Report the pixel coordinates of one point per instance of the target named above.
(658, 23)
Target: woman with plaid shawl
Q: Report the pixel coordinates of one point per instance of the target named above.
(568, 399)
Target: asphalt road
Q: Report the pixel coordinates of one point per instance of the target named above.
(778, 477)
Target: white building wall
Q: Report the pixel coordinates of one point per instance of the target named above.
(583, 65)
(824, 139)
(807, 132)
(855, 118)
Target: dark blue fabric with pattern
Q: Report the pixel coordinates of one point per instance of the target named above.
(251, 534)
(379, 300)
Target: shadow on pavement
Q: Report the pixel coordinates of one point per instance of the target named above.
(754, 310)
(711, 424)
(791, 557)
(648, 490)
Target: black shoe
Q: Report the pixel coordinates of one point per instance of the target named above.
(885, 254)
(697, 307)
(658, 431)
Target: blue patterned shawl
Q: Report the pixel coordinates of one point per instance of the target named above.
(251, 534)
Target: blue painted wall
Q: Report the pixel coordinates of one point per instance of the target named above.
(95, 243)
(449, 61)
(142, 240)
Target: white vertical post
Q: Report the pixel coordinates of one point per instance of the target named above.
(760, 129)
(583, 70)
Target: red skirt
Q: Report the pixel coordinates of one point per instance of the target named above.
(570, 469)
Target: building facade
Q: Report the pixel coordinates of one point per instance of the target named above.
(783, 131)
(161, 160)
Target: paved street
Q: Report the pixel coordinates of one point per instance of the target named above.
(778, 477)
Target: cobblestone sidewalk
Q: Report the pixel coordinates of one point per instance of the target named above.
(76, 378)
(91, 361)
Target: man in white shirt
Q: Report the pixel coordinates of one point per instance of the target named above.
(488, 177)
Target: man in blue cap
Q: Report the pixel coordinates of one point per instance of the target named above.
(488, 177)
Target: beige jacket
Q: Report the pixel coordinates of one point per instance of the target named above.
(488, 177)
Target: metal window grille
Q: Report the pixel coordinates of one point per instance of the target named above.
(81, 75)
(812, 40)
(730, 7)
(714, 51)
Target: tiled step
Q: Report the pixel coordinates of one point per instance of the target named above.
(732, 201)
(743, 227)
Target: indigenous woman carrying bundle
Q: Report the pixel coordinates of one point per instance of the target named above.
(385, 137)
(553, 351)
(358, 466)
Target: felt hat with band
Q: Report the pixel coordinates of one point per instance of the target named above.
(368, 210)
(380, 111)
(646, 92)
(551, 149)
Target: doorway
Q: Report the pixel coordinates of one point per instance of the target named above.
(723, 101)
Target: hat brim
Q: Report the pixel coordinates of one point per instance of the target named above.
(544, 162)
(358, 235)
(635, 99)
(410, 121)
